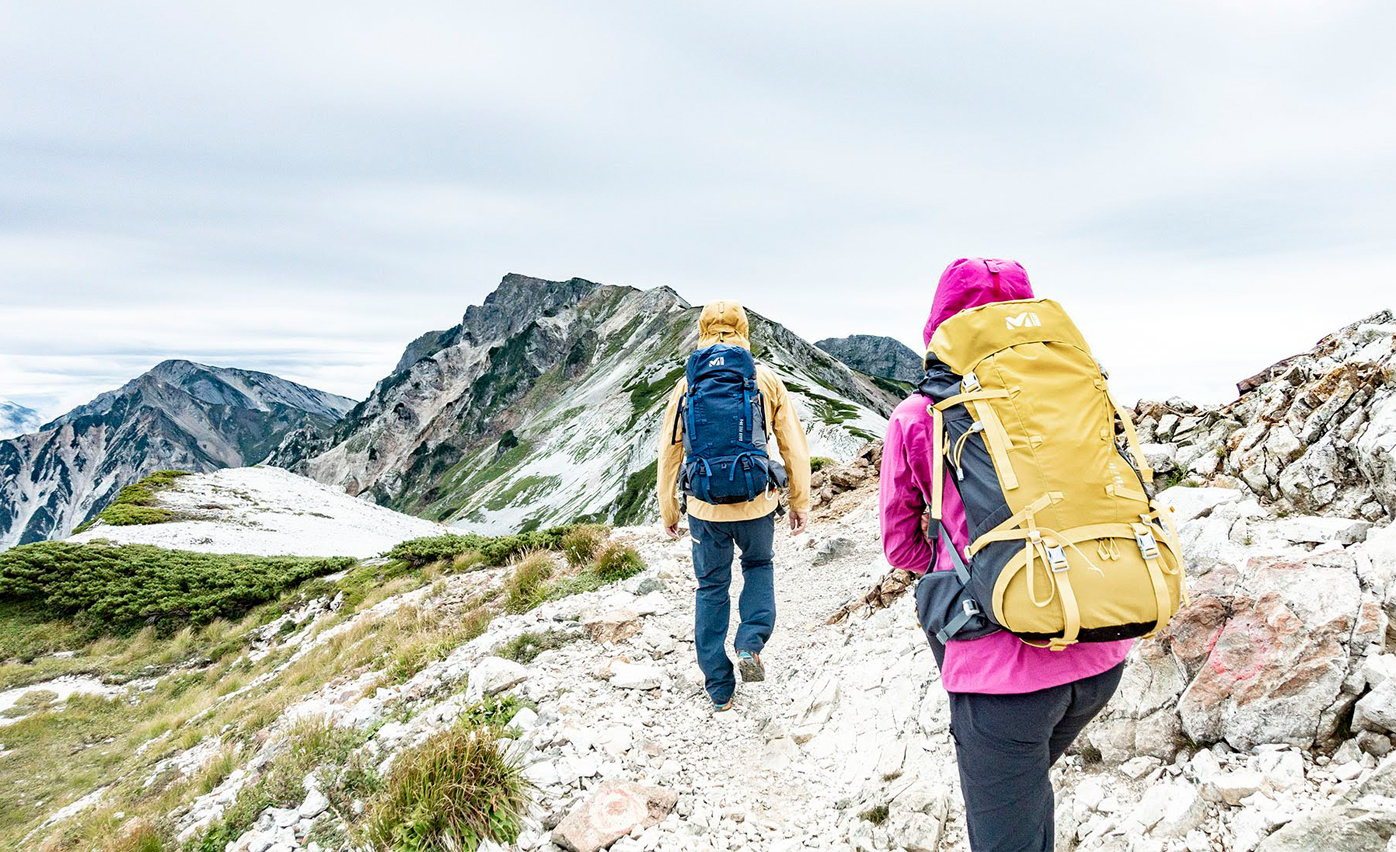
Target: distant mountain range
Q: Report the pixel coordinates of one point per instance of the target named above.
(15, 419)
(541, 406)
(884, 357)
(178, 415)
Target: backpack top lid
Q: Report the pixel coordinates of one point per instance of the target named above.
(970, 336)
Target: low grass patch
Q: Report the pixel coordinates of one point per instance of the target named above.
(120, 588)
(432, 638)
(616, 562)
(818, 463)
(526, 647)
(456, 791)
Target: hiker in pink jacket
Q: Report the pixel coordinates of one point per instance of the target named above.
(1014, 708)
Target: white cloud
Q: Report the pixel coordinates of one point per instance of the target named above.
(306, 188)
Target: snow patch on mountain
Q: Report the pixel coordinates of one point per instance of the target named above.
(267, 511)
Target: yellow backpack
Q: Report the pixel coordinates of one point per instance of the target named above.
(1066, 542)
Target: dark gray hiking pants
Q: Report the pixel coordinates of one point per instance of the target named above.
(1005, 744)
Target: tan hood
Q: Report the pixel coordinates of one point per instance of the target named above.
(723, 322)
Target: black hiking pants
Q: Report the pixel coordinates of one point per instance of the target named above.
(1005, 745)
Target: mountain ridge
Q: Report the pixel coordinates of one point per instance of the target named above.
(546, 378)
(177, 414)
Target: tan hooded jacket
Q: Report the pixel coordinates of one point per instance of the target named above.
(726, 322)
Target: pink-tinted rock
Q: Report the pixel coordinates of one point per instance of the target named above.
(612, 812)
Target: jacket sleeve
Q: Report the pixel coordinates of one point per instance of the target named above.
(794, 447)
(903, 501)
(670, 457)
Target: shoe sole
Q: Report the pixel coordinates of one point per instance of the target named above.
(751, 669)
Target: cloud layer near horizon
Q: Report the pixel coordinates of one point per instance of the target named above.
(304, 189)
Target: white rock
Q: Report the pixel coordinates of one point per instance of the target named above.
(653, 603)
(632, 676)
(315, 804)
(493, 675)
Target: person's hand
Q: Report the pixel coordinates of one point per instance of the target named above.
(673, 531)
(798, 522)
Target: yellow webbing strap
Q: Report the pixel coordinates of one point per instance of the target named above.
(938, 465)
(1126, 492)
(1160, 589)
(1071, 613)
(1032, 542)
(1008, 529)
(997, 439)
(1132, 437)
(970, 396)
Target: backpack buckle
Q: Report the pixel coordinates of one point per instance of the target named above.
(1148, 545)
(1056, 558)
(970, 382)
(971, 609)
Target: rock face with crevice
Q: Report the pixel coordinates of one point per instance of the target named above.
(1316, 434)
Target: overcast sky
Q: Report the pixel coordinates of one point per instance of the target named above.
(303, 188)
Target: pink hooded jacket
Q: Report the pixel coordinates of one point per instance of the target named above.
(1000, 663)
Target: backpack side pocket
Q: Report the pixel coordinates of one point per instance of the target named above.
(946, 610)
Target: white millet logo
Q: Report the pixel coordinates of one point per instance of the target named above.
(1027, 319)
(717, 362)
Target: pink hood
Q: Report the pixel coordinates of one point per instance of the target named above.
(973, 281)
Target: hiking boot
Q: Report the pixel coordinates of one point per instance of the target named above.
(749, 664)
(720, 708)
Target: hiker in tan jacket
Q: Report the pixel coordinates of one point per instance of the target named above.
(748, 524)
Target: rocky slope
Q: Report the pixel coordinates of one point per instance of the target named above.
(543, 405)
(1316, 433)
(15, 419)
(178, 415)
(884, 357)
(1262, 719)
(266, 511)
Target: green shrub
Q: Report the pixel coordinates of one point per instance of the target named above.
(616, 562)
(526, 647)
(457, 790)
(581, 542)
(526, 587)
(494, 550)
(118, 588)
(135, 504)
(494, 712)
(818, 463)
(123, 515)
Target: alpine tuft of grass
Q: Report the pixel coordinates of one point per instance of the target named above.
(581, 542)
(456, 791)
(527, 585)
(526, 647)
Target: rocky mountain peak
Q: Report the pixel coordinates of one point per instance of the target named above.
(885, 357)
(576, 373)
(519, 300)
(179, 414)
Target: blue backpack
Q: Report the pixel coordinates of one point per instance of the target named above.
(724, 428)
